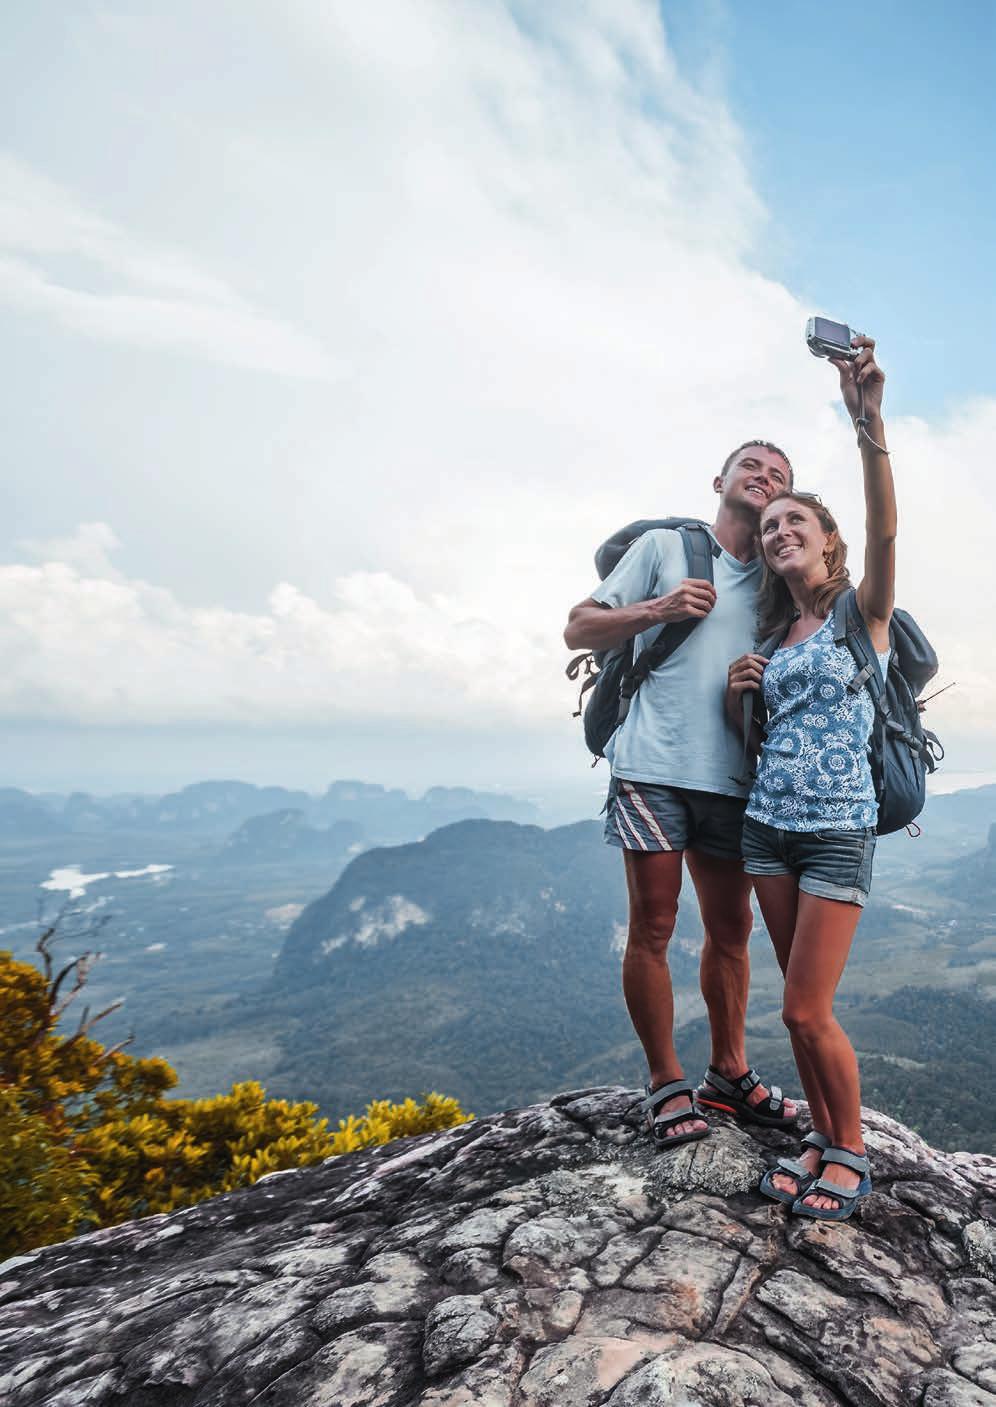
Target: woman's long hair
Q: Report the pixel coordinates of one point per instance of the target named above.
(775, 607)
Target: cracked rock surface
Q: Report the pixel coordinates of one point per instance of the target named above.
(542, 1256)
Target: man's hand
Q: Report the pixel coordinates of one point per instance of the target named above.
(691, 599)
(864, 373)
(592, 626)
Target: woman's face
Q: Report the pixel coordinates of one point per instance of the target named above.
(792, 540)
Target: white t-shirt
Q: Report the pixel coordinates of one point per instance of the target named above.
(676, 733)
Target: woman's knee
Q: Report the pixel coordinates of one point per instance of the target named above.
(805, 1021)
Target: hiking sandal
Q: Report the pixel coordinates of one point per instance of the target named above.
(803, 1177)
(660, 1124)
(730, 1096)
(848, 1197)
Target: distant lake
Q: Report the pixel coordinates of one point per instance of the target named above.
(74, 882)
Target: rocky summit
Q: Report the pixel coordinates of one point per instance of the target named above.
(542, 1256)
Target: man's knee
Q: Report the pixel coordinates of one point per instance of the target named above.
(650, 933)
(728, 932)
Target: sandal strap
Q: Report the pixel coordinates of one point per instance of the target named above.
(742, 1086)
(679, 1116)
(846, 1159)
(832, 1189)
(816, 1140)
(792, 1167)
(655, 1098)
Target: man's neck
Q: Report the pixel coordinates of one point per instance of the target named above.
(736, 533)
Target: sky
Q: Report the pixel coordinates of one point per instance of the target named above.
(336, 337)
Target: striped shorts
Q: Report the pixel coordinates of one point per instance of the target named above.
(644, 816)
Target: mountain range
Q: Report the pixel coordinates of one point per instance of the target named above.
(485, 961)
(480, 957)
(212, 810)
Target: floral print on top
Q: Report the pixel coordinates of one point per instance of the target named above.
(813, 772)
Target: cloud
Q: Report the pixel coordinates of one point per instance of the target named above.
(527, 238)
(106, 650)
(114, 286)
(87, 550)
(84, 644)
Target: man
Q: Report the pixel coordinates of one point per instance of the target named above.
(674, 791)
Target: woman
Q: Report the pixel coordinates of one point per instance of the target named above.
(809, 834)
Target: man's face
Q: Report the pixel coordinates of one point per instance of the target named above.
(754, 477)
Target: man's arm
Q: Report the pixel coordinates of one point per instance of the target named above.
(594, 626)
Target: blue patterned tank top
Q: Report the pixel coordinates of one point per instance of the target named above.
(813, 772)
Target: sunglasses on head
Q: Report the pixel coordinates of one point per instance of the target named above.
(806, 497)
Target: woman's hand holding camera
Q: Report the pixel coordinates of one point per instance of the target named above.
(861, 374)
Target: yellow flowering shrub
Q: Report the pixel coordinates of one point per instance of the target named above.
(384, 1121)
(88, 1138)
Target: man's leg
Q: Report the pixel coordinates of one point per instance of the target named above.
(654, 880)
(723, 892)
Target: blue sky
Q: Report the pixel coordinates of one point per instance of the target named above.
(871, 136)
(336, 336)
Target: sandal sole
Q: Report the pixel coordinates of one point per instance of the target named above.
(814, 1214)
(747, 1115)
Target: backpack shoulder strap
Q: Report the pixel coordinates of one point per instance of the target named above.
(849, 629)
(699, 552)
(700, 549)
(752, 701)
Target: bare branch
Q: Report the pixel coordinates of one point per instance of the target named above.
(113, 1050)
(86, 1026)
(77, 969)
(42, 947)
(53, 995)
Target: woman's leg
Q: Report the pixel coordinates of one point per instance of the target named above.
(821, 942)
(778, 897)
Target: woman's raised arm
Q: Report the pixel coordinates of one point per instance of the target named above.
(862, 382)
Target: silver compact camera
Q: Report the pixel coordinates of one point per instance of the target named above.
(825, 338)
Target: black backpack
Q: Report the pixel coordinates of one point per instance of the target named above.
(611, 675)
(901, 751)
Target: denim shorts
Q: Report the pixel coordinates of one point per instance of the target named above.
(831, 864)
(644, 816)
